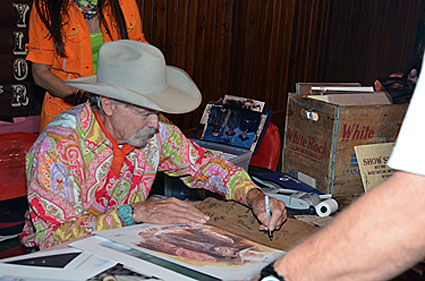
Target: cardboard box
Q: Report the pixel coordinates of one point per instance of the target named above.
(320, 137)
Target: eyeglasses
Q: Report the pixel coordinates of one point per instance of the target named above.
(144, 112)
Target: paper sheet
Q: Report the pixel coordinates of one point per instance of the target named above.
(239, 219)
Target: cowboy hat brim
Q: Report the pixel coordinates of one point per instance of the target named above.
(181, 95)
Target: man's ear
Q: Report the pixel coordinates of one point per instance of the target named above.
(107, 105)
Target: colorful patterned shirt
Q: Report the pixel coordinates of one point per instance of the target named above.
(72, 191)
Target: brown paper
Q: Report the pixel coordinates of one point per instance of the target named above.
(239, 219)
(372, 159)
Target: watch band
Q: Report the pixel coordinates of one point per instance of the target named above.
(125, 213)
(77, 97)
(269, 274)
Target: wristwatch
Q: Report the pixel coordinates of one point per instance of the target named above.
(125, 212)
(269, 274)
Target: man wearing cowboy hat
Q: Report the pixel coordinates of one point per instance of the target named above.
(93, 166)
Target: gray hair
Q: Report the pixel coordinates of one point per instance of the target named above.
(96, 104)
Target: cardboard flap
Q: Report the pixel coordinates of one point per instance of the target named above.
(304, 88)
(354, 98)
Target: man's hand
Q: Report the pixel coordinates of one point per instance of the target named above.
(277, 208)
(167, 211)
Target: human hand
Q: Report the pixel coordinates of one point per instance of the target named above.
(277, 208)
(167, 211)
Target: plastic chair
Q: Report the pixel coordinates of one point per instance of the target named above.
(13, 190)
(268, 152)
(13, 148)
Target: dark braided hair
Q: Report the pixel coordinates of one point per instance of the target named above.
(52, 13)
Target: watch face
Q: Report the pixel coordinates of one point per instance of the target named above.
(269, 278)
(125, 212)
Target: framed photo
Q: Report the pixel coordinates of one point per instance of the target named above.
(234, 126)
(235, 121)
(121, 272)
(246, 103)
(54, 264)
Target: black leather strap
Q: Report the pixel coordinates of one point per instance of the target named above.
(268, 273)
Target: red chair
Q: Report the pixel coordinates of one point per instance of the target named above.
(13, 190)
(268, 153)
(13, 148)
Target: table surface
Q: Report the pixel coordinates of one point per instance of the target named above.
(414, 274)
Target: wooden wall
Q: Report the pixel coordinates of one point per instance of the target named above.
(18, 94)
(261, 48)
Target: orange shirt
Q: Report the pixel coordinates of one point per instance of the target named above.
(78, 61)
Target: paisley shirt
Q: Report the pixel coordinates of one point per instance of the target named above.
(72, 191)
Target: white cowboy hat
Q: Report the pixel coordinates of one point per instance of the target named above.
(135, 72)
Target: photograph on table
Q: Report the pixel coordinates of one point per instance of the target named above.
(54, 261)
(55, 264)
(243, 102)
(120, 272)
(200, 248)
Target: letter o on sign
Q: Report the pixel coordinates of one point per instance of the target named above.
(20, 69)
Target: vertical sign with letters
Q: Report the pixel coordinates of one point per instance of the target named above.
(18, 94)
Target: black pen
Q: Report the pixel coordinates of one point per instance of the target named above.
(266, 198)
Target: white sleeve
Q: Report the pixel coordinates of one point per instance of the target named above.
(409, 152)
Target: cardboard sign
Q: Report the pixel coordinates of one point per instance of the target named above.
(354, 98)
(373, 159)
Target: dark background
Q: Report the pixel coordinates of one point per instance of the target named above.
(261, 48)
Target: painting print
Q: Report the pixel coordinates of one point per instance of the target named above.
(201, 248)
(233, 126)
(54, 264)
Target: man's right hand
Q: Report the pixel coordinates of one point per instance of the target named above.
(167, 211)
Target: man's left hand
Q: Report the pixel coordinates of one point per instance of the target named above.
(277, 208)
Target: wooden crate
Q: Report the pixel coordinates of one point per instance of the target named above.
(320, 137)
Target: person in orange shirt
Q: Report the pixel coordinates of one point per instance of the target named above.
(64, 40)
